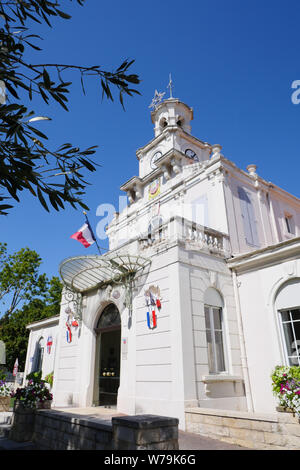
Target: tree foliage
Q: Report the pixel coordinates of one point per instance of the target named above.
(20, 280)
(14, 333)
(27, 160)
(34, 294)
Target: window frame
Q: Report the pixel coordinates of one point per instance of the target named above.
(290, 226)
(283, 337)
(213, 331)
(40, 349)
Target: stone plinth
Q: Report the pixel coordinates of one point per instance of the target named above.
(145, 432)
(23, 423)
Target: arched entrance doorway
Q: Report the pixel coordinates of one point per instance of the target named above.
(108, 331)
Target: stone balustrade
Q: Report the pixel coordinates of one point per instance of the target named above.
(180, 229)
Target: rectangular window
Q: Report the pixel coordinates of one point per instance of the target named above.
(214, 338)
(290, 320)
(289, 222)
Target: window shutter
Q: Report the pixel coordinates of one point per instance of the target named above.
(248, 217)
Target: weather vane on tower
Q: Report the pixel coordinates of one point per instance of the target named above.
(171, 86)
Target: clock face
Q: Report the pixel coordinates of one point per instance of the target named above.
(191, 154)
(154, 158)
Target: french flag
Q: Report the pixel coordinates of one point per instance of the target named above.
(84, 235)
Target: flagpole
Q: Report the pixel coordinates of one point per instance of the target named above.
(92, 232)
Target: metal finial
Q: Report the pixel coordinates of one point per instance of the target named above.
(156, 99)
(171, 86)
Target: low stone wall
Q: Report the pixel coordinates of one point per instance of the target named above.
(276, 431)
(56, 430)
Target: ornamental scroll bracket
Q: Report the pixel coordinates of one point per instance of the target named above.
(74, 300)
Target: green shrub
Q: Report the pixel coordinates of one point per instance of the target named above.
(36, 377)
(3, 376)
(49, 379)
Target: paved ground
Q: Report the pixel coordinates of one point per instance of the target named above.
(187, 441)
(190, 441)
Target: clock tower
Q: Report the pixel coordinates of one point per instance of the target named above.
(172, 148)
(172, 133)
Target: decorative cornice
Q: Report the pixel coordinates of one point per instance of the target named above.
(45, 322)
(135, 180)
(257, 181)
(265, 256)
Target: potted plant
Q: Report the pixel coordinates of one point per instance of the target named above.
(36, 394)
(5, 396)
(286, 387)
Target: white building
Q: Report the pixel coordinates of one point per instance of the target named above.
(217, 248)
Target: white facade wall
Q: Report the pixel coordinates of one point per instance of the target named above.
(260, 279)
(165, 370)
(67, 371)
(39, 334)
(270, 206)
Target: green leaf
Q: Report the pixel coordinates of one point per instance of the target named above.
(46, 77)
(41, 199)
(62, 14)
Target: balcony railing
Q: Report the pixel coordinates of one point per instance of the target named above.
(193, 235)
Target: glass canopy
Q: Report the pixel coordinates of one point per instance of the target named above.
(82, 273)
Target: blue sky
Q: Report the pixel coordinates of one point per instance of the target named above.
(232, 61)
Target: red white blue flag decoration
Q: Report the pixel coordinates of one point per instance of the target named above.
(151, 319)
(84, 235)
(153, 304)
(49, 344)
(68, 333)
(16, 367)
(71, 322)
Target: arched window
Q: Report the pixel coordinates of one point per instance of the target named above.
(39, 355)
(287, 304)
(108, 360)
(163, 123)
(180, 121)
(213, 311)
(110, 317)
